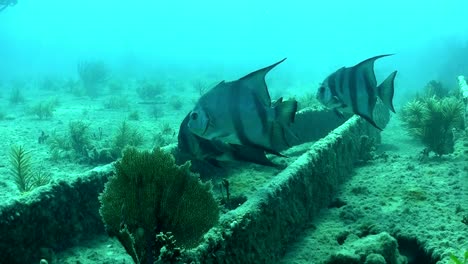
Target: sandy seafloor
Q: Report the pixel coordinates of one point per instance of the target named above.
(394, 192)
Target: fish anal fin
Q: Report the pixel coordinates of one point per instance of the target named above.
(370, 121)
(385, 91)
(214, 163)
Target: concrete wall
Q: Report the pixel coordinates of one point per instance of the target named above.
(52, 218)
(259, 230)
(58, 216)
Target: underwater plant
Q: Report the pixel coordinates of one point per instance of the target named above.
(22, 171)
(176, 103)
(58, 145)
(436, 89)
(156, 111)
(455, 260)
(45, 109)
(74, 87)
(150, 196)
(79, 136)
(116, 102)
(115, 86)
(308, 100)
(93, 75)
(165, 135)
(125, 136)
(134, 115)
(50, 84)
(148, 91)
(432, 120)
(16, 96)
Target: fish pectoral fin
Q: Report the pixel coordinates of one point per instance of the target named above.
(338, 113)
(336, 100)
(214, 163)
(385, 91)
(251, 154)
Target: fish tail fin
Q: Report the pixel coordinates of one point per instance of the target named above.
(285, 114)
(385, 91)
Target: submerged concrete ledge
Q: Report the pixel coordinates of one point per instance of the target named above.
(52, 218)
(259, 230)
(55, 217)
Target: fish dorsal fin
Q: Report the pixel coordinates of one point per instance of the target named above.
(370, 62)
(256, 81)
(212, 91)
(367, 67)
(219, 84)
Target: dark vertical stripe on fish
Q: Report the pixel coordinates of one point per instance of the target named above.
(341, 79)
(183, 137)
(239, 126)
(370, 95)
(236, 116)
(352, 86)
(332, 84)
(261, 112)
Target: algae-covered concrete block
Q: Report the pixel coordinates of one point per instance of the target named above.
(276, 210)
(52, 218)
(259, 230)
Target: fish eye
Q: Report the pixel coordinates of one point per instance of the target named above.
(194, 116)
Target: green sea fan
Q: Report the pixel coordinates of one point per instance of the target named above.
(432, 120)
(150, 194)
(455, 260)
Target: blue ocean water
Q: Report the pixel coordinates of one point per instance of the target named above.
(76, 76)
(50, 36)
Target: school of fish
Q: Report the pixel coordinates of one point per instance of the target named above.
(238, 121)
